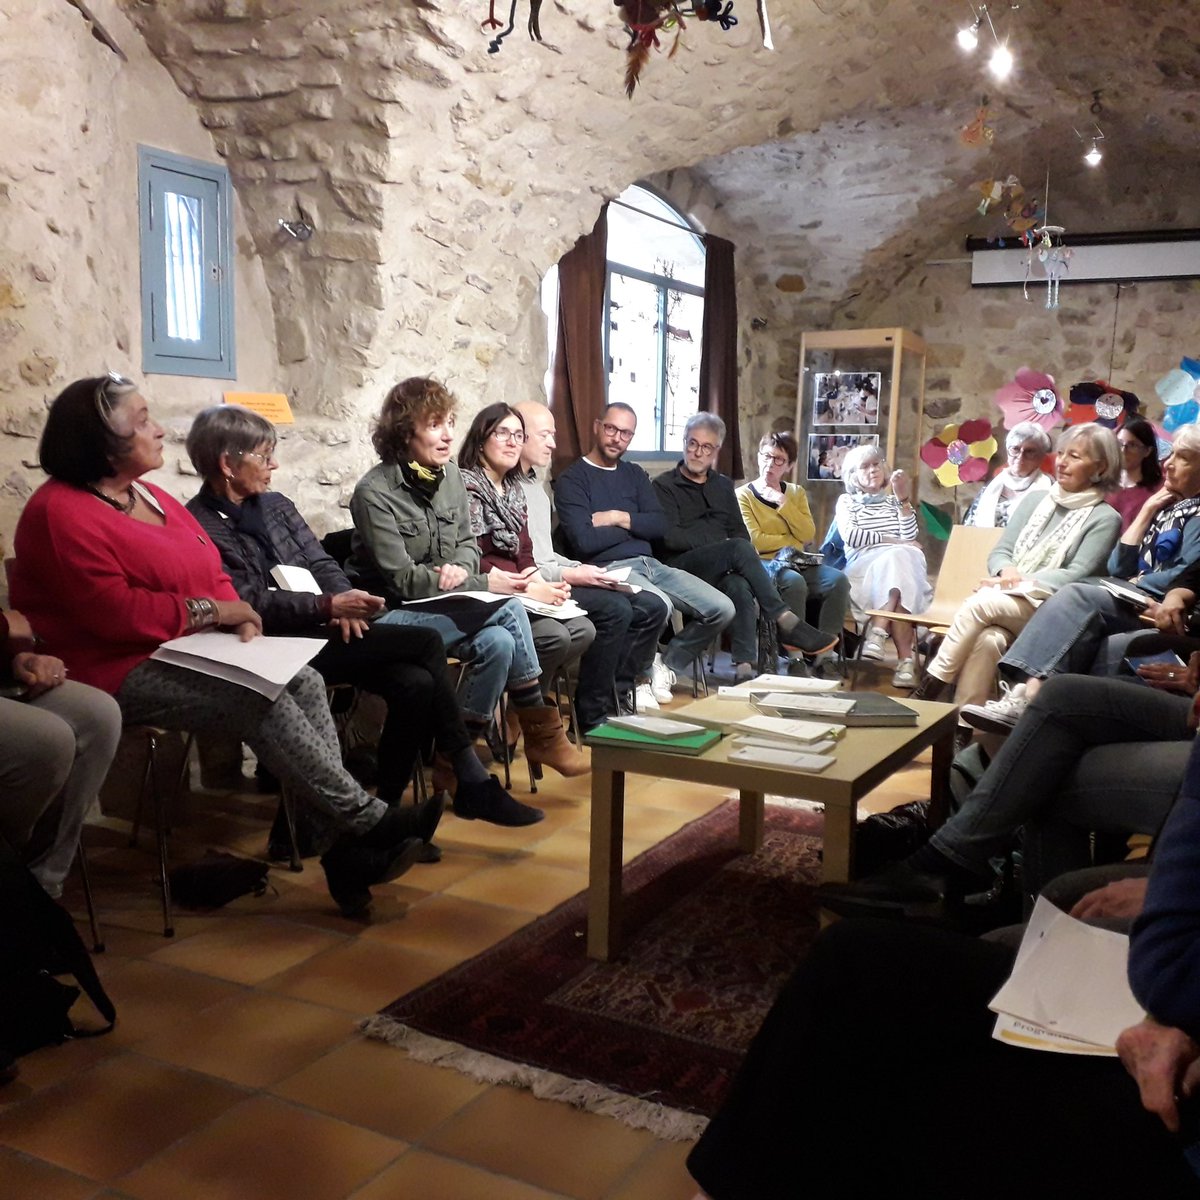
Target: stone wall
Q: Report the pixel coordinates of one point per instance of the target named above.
(69, 276)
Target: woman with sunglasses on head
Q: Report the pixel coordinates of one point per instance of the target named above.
(413, 542)
(256, 530)
(110, 567)
(490, 461)
(780, 523)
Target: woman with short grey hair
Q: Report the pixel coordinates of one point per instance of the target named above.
(1026, 445)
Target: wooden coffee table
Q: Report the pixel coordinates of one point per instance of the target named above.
(865, 758)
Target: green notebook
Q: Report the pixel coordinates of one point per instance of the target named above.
(695, 743)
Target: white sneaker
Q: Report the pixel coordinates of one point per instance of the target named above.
(662, 680)
(874, 645)
(905, 674)
(645, 699)
(997, 716)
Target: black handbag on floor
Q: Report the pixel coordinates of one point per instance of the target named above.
(217, 879)
(39, 941)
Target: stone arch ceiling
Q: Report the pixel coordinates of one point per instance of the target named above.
(444, 181)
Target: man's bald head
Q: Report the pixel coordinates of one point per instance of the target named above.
(539, 434)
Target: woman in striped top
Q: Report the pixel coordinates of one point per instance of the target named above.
(885, 565)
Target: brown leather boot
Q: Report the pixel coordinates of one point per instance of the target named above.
(546, 743)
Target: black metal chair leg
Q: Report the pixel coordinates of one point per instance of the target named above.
(86, 880)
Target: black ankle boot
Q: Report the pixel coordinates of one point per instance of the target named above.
(930, 688)
(351, 868)
(490, 802)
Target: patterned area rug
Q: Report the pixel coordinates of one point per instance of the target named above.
(653, 1038)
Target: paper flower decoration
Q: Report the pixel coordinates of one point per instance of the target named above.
(1095, 400)
(1031, 396)
(960, 453)
(1179, 390)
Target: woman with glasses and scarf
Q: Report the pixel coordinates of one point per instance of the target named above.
(1026, 445)
(257, 530)
(490, 461)
(110, 567)
(780, 524)
(414, 547)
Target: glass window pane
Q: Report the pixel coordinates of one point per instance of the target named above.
(685, 324)
(184, 254)
(656, 246)
(634, 367)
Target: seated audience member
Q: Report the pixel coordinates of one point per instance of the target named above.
(1053, 538)
(628, 624)
(706, 537)
(883, 1017)
(1141, 471)
(1084, 628)
(111, 567)
(610, 516)
(490, 462)
(57, 740)
(1088, 755)
(412, 540)
(256, 530)
(777, 517)
(884, 564)
(1027, 445)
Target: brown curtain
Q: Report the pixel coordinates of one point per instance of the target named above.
(718, 354)
(577, 391)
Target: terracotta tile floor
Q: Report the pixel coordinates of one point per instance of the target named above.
(236, 1071)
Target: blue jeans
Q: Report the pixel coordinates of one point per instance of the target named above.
(826, 584)
(1068, 632)
(498, 656)
(1088, 754)
(710, 611)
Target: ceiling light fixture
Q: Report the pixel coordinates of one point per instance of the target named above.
(1001, 62)
(968, 37)
(1094, 155)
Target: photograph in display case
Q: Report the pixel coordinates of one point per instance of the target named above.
(846, 398)
(826, 452)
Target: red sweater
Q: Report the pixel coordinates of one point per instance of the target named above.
(104, 590)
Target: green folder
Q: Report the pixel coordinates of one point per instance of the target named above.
(694, 743)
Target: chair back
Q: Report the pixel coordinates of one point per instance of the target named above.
(963, 565)
(338, 545)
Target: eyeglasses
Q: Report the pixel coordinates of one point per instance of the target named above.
(615, 431)
(775, 460)
(704, 448)
(104, 402)
(1026, 452)
(258, 456)
(514, 436)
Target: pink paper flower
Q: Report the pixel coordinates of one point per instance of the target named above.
(1031, 396)
(960, 453)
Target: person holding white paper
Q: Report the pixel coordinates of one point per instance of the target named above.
(109, 567)
(257, 530)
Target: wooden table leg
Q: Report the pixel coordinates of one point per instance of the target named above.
(837, 851)
(604, 868)
(939, 780)
(750, 821)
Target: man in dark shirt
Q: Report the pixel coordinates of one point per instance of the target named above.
(706, 536)
(609, 514)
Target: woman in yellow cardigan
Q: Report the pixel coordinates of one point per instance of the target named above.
(778, 519)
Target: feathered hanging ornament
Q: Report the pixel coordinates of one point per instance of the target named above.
(643, 19)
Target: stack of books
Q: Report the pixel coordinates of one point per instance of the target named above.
(654, 733)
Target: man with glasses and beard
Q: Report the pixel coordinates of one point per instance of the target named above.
(707, 537)
(610, 516)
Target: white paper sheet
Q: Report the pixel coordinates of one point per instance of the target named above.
(264, 664)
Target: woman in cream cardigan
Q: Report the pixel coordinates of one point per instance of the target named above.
(1052, 539)
(777, 517)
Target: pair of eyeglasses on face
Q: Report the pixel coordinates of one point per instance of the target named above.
(258, 456)
(773, 460)
(704, 448)
(512, 436)
(105, 402)
(615, 431)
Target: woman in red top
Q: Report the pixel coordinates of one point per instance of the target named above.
(110, 567)
(489, 459)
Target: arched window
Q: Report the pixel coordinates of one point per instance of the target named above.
(654, 313)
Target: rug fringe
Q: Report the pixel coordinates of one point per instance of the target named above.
(668, 1124)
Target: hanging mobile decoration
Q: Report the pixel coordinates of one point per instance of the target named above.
(978, 133)
(1045, 246)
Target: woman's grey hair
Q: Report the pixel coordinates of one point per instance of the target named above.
(854, 462)
(225, 429)
(1028, 431)
(1187, 438)
(1102, 445)
(705, 420)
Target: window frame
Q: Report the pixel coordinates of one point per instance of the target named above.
(162, 354)
(663, 283)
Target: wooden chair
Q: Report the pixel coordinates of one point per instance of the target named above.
(963, 566)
